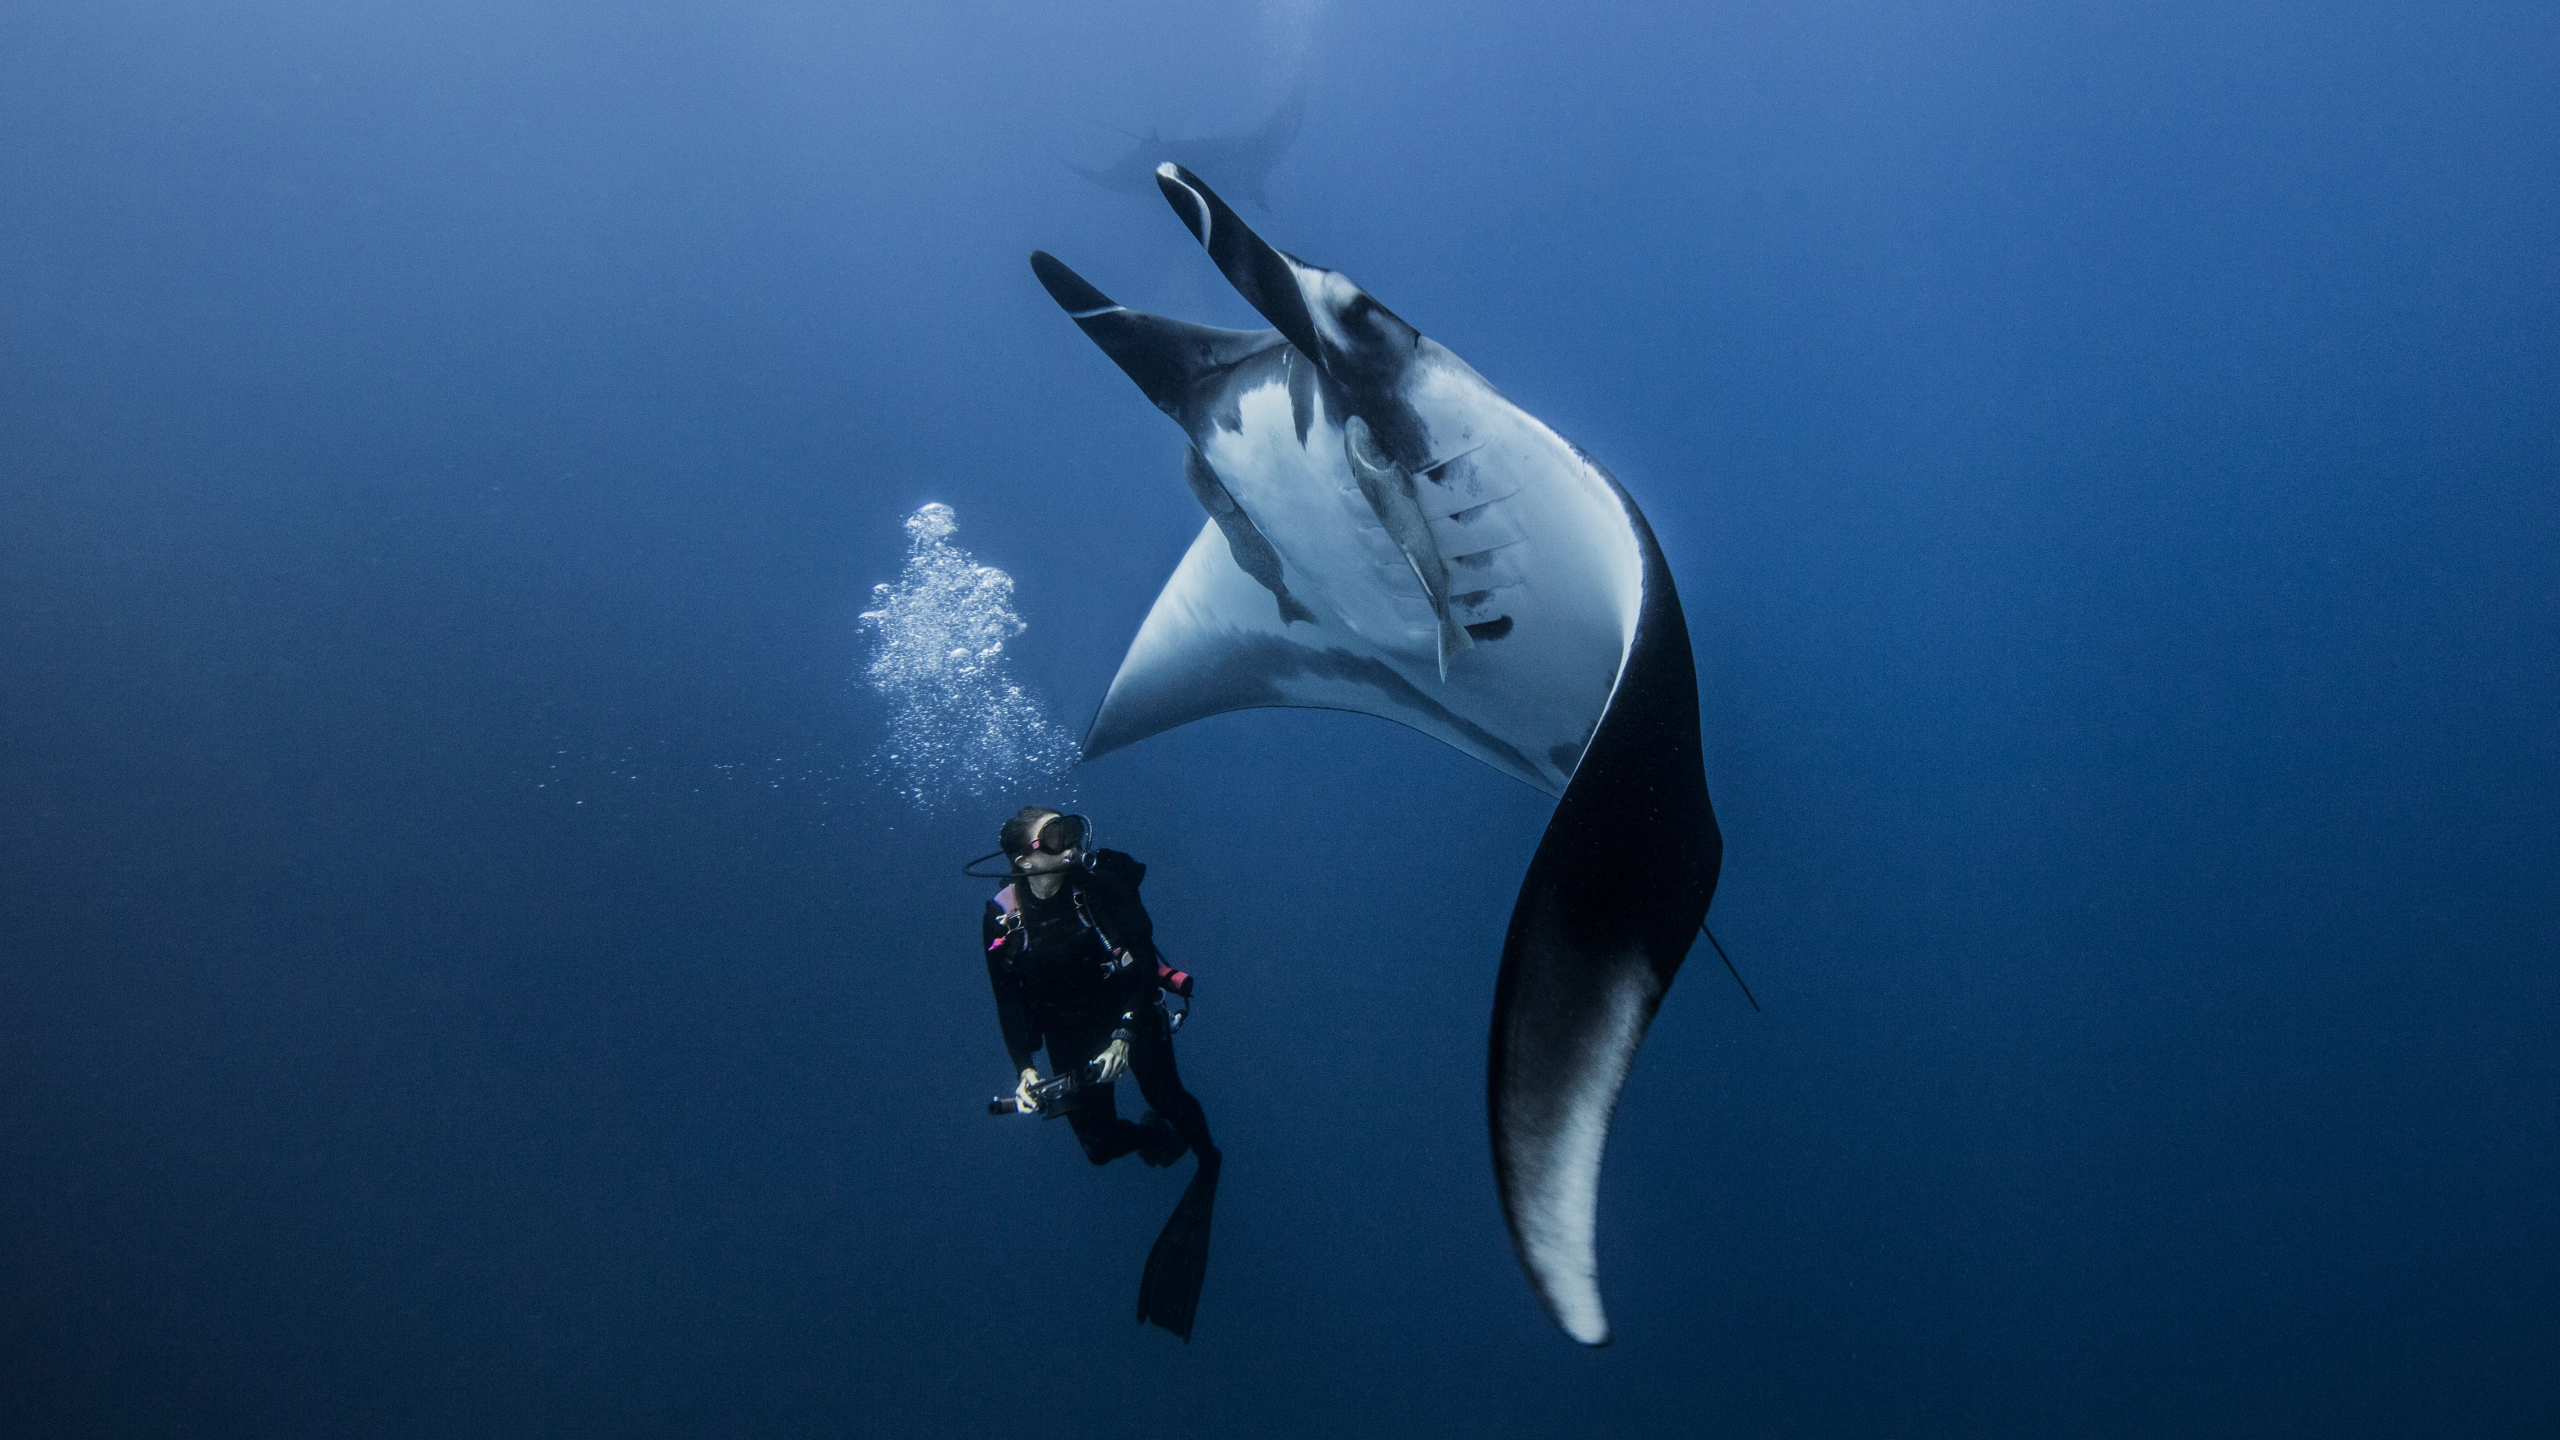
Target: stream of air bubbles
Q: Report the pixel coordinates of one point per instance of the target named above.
(959, 723)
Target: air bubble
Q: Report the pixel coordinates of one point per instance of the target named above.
(959, 723)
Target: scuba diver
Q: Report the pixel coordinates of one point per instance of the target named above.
(1071, 956)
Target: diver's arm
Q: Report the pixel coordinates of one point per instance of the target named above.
(1021, 1032)
(1133, 985)
(1013, 1012)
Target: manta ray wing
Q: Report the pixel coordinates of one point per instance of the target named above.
(1610, 906)
(1214, 642)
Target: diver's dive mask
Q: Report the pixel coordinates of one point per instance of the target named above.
(1062, 833)
(1057, 835)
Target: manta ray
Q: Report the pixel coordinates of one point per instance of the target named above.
(1247, 160)
(1387, 534)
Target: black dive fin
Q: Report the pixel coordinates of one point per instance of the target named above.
(1168, 358)
(1607, 912)
(1169, 1291)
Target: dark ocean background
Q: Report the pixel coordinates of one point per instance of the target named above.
(458, 976)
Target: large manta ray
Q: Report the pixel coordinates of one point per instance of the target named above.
(1387, 534)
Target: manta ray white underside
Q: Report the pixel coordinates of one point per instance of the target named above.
(1538, 553)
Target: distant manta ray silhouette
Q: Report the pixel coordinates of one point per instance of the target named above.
(1246, 159)
(1387, 534)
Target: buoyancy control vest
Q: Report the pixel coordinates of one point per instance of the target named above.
(1071, 947)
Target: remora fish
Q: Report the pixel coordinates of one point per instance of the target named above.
(1466, 571)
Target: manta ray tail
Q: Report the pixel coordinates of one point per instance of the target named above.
(1609, 908)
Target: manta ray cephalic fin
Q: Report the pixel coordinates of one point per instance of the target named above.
(1167, 358)
(1267, 279)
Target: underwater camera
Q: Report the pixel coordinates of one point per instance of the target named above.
(1050, 1095)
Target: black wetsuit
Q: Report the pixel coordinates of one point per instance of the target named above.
(1074, 971)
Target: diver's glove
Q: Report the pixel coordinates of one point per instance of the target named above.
(1113, 1059)
(1022, 1091)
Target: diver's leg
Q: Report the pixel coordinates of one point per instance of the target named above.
(1160, 1080)
(1100, 1130)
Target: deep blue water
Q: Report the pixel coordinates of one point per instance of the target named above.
(458, 978)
